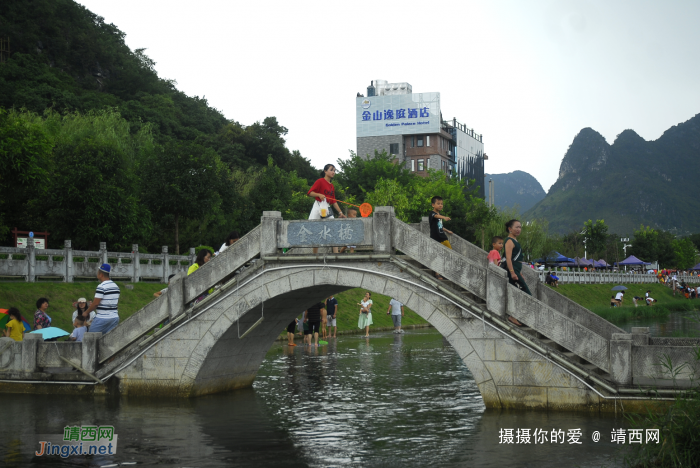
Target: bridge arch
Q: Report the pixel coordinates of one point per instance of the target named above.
(207, 354)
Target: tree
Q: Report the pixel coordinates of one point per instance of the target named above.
(650, 245)
(25, 157)
(685, 253)
(596, 237)
(183, 179)
(359, 176)
(388, 192)
(93, 197)
(479, 216)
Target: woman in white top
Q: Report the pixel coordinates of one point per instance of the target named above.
(365, 313)
(230, 240)
(81, 306)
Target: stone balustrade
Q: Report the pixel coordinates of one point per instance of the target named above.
(64, 264)
(603, 277)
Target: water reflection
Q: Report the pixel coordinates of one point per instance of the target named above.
(404, 400)
(675, 324)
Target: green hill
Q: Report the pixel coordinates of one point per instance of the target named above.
(81, 113)
(628, 183)
(515, 188)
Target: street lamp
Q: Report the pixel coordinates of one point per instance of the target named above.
(624, 246)
(585, 249)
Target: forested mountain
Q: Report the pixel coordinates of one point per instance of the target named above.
(628, 183)
(68, 76)
(94, 146)
(515, 188)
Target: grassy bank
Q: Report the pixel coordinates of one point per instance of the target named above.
(61, 297)
(596, 297)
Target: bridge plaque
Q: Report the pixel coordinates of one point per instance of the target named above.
(336, 232)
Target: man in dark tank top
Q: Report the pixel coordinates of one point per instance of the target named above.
(313, 318)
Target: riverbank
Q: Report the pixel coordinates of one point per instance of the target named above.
(62, 295)
(596, 297)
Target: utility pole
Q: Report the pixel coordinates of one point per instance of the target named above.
(492, 193)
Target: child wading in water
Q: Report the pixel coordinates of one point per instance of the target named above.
(437, 231)
(323, 191)
(496, 247)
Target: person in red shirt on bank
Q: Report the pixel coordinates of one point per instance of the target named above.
(323, 191)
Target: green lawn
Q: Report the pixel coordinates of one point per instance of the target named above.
(349, 311)
(596, 297)
(61, 297)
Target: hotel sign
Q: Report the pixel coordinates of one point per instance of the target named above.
(399, 114)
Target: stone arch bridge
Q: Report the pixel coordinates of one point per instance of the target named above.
(566, 358)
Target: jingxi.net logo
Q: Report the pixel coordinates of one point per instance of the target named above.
(79, 440)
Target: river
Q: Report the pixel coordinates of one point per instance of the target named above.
(390, 400)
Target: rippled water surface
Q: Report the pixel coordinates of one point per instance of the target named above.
(391, 400)
(675, 324)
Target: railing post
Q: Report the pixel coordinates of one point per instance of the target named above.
(640, 336)
(166, 264)
(176, 295)
(67, 246)
(29, 345)
(192, 258)
(621, 358)
(31, 258)
(89, 348)
(381, 228)
(268, 232)
(103, 252)
(136, 263)
(425, 225)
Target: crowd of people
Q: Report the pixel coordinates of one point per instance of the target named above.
(99, 315)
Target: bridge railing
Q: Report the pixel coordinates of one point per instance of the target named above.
(63, 263)
(181, 291)
(596, 277)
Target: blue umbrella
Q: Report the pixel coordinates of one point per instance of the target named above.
(619, 288)
(51, 332)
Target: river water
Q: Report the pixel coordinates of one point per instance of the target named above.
(390, 400)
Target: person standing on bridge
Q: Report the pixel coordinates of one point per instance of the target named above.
(323, 191)
(105, 303)
(514, 255)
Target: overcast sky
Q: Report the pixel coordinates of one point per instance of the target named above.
(528, 75)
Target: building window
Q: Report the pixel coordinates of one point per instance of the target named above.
(420, 163)
(413, 142)
(443, 166)
(427, 143)
(420, 141)
(413, 165)
(427, 164)
(393, 148)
